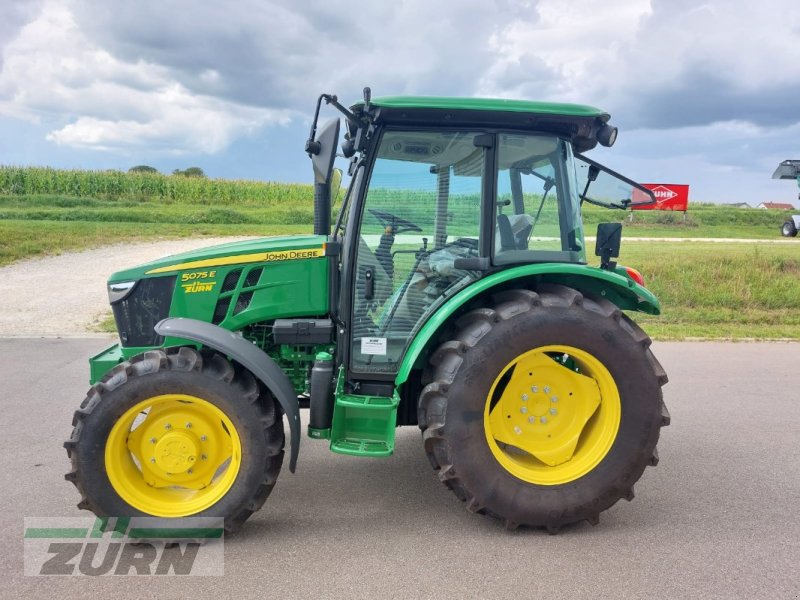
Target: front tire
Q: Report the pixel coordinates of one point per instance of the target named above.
(544, 409)
(788, 229)
(176, 433)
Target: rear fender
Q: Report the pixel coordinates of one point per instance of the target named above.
(248, 355)
(620, 290)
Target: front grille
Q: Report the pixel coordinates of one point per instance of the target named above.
(253, 277)
(230, 281)
(221, 310)
(141, 309)
(242, 302)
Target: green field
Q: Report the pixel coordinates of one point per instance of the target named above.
(720, 290)
(709, 290)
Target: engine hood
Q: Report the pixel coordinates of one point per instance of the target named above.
(255, 250)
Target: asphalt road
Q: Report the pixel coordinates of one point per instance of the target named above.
(718, 518)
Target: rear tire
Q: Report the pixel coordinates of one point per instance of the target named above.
(788, 229)
(222, 460)
(457, 418)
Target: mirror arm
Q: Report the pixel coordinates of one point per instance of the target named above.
(313, 147)
(332, 99)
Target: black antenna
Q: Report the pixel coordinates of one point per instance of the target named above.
(367, 98)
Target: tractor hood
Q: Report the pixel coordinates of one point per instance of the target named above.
(264, 249)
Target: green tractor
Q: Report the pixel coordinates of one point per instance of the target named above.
(453, 293)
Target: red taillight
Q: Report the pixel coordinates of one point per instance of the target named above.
(635, 275)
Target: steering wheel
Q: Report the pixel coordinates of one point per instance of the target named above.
(397, 224)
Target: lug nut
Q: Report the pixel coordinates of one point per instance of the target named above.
(553, 411)
(152, 460)
(523, 410)
(188, 425)
(152, 440)
(203, 457)
(517, 430)
(524, 397)
(534, 388)
(203, 438)
(167, 426)
(531, 419)
(553, 398)
(189, 471)
(543, 419)
(547, 389)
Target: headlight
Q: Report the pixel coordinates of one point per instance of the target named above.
(117, 292)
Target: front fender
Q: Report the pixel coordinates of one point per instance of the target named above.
(248, 355)
(620, 290)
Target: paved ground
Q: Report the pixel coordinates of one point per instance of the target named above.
(718, 518)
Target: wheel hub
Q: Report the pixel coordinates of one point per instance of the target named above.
(545, 419)
(173, 455)
(176, 452)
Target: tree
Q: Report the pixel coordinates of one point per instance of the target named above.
(142, 169)
(190, 172)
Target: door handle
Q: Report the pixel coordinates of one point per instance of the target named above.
(369, 283)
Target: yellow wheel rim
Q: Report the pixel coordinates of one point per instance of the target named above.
(173, 455)
(552, 415)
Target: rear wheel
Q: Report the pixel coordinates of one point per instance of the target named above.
(788, 229)
(176, 434)
(544, 409)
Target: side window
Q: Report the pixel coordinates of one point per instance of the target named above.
(421, 213)
(537, 210)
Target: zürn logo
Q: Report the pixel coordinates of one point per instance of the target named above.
(124, 546)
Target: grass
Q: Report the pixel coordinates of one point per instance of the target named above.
(720, 290)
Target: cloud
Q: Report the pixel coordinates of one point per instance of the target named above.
(283, 55)
(184, 76)
(659, 64)
(53, 68)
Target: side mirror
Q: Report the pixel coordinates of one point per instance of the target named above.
(609, 240)
(323, 151)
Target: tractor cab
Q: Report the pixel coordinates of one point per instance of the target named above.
(445, 192)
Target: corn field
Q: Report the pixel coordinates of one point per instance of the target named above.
(175, 189)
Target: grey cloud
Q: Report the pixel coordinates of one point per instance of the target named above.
(269, 54)
(699, 97)
(14, 15)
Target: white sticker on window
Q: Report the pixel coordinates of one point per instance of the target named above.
(373, 346)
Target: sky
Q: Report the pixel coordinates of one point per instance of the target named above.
(704, 93)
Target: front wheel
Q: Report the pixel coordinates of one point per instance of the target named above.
(544, 409)
(174, 434)
(788, 229)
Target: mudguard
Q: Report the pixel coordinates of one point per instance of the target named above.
(251, 357)
(620, 290)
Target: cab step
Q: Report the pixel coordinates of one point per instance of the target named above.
(363, 425)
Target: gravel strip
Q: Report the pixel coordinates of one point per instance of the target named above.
(66, 295)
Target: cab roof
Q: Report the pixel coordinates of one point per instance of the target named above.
(577, 122)
(488, 105)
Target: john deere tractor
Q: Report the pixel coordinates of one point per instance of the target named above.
(452, 293)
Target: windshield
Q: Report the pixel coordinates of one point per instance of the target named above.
(601, 186)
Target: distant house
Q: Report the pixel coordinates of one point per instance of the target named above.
(776, 205)
(738, 205)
